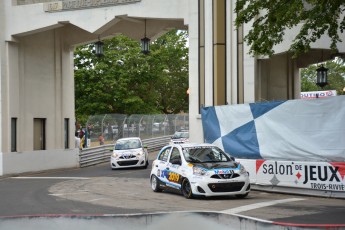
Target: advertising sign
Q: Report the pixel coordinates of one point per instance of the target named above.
(318, 94)
(328, 176)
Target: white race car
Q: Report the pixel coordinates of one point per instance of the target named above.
(129, 152)
(180, 137)
(198, 170)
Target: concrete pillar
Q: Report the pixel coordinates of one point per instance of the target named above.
(219, 52)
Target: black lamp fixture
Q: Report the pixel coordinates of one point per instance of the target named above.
(321, 76)
(99, 48)
(145, 43)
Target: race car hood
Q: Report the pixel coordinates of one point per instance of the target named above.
(127, 151)
(217, 165)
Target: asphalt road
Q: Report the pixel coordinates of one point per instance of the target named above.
(100, 190)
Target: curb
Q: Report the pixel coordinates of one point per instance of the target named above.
(153, 221)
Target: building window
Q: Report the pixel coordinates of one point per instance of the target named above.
(39, 134)
(66, 131)
(13, 134)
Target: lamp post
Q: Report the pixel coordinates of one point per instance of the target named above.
(321, 76)
(99, 48)
(145, 43)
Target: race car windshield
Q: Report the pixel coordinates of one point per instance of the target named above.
(128, 144)
(180, 135)
(205, 155)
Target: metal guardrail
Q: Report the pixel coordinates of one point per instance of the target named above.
(101, 154)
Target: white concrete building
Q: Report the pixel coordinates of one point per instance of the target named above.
(37, 84)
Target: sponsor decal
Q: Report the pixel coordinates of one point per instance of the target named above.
(173, 166)
(173, 177)
(318, 94)
(169, 176)
(223, 171)
(127, 155)
(170, 179)
(198, 147)
(313, 175)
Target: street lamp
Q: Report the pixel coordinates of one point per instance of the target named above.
(99, 48)
(321, 76)
(145, 43)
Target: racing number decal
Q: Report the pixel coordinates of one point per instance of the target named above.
(173, 177)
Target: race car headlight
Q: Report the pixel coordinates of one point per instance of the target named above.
(141, 153)
(242, 170)
(199, 171)
(114, 155)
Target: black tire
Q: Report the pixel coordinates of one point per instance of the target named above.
(241, 196)
(155, 184)
(146, 164)
(186, 189)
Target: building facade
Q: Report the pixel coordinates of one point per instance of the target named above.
(38, 38)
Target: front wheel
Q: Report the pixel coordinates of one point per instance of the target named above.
(186, 189)
(155, 184)
(146, 164)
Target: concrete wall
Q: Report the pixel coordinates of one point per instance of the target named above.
(40, 85)
(194, 117)
(105, 21)
(37, 79)
(34, 161)
(277, 78)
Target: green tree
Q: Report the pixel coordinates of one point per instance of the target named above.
(272, 18)
(170, 56)
(336, 74)
(126, 81)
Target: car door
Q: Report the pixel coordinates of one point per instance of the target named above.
(173, 169)
(161, 164)
(167, 168)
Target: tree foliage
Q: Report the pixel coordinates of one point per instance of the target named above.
(336, 75)
(126, 81)
(271, 19)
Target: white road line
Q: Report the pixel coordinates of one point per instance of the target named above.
(57, 178)
(67, 193)
(97, 199)
(259, 205)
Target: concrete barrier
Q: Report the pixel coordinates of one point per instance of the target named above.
(36, 161)
(152, 221)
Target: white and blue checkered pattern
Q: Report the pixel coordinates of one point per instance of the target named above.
(282, 130)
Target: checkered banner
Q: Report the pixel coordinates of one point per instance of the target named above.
(303, 130)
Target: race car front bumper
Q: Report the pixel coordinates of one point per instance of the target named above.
(128, 163)
(220, 187)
